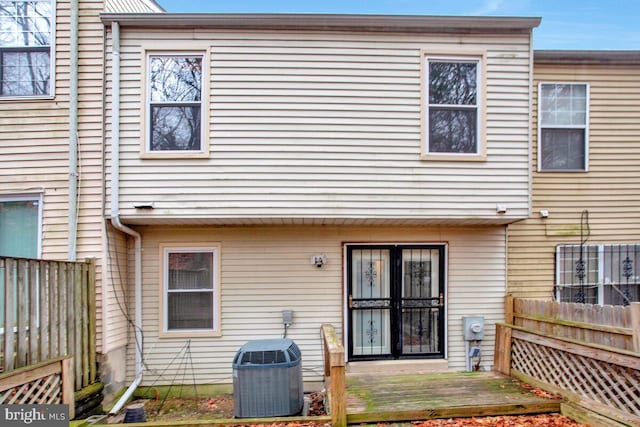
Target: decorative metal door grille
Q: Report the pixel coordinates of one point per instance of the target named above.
(396, 301)
(598, 274)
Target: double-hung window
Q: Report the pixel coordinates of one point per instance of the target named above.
(453, 88)
(191, 289)
(175, 110)
(26, 33)
(562, 132)
(598, 274)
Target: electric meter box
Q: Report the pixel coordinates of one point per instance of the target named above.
(473, 328)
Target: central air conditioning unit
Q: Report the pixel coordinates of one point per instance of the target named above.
(267, 379)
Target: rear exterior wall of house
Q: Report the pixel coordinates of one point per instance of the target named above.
(264, 270)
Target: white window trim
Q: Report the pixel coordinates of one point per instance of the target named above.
(480, 59)
(585, 127)
(52, 64)
(145, 148)
(22, 197)
(173, 247)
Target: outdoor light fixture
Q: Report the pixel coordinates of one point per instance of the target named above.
(318, 260)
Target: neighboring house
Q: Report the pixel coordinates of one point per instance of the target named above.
(51, 134)
(586, 162)
(357, 170)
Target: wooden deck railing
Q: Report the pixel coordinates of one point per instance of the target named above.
(574, 358)
(334, 372)
(49, 312)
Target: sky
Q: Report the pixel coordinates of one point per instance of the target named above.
(566, 24)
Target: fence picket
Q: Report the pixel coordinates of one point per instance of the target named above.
(49, 312)
(22, 314)
(34, 332)
(75, 310)
(9, 304)
(54, 290)
(43, 321)
(91, 308)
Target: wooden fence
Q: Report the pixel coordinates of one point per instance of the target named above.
(49, 382)
(587, 354)
(49, 312)
(334, 373)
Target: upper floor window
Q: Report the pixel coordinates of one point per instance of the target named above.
(175, 108)
(453, 104)
(563, 117)
(25, 47)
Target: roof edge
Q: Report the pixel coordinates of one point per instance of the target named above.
(613, 57)
(327, 22)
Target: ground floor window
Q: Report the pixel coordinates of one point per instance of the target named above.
(19, 238)
(191, 289)
(598, 274)
(20, 226)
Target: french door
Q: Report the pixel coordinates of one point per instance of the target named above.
(395, 301)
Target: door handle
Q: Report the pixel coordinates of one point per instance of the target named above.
(350, 301)
(441, 299)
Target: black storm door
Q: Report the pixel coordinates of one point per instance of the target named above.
(396, 301)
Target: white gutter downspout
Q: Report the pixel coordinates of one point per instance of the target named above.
(73, 133)
(115, 213)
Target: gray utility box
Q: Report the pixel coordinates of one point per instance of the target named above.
(267, 379)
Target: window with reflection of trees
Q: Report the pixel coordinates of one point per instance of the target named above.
(452, 106)
(25, 47)
(175, 107)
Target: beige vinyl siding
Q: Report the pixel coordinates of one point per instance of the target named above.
(326, 126)
(34, 143)
(267, 269)
(609, 190)
(117, 304)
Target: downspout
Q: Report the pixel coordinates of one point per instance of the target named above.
(115, 214)
(73, 133)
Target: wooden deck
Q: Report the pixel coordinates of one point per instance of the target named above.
(375, 398)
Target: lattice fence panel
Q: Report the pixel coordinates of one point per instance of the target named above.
(613, 385)
(45, 390)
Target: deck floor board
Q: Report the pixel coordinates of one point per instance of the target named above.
(376, 398)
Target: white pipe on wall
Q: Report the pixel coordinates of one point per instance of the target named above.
(73, 132)
(115, 214)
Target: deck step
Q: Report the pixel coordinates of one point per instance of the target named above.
(454, 412)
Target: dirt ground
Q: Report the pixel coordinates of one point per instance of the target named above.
(173, 409)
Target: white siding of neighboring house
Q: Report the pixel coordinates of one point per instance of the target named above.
(309, 125)
(34, 144)
(267, 269)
